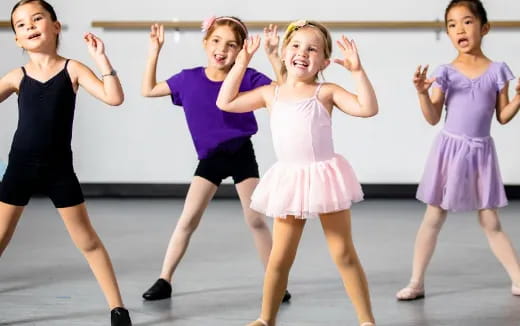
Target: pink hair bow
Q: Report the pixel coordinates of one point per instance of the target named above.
(206, 24)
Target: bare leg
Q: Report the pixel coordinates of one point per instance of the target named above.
(286, 237)
(255, 220)
(87, 241)
(337, 229)
(9, 217)
(500, 243)
(425, 243)
(199, 195)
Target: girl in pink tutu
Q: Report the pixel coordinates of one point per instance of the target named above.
(309, 179)
(462, 172)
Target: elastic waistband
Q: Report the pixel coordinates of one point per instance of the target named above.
(465, 137)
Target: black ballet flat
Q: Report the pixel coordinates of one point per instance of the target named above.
(161, 289)
(120, 317)
(286, 297)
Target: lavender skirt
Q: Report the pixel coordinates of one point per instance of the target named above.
(462, 174)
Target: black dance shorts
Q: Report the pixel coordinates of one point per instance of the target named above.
(56, 180)
(240, 165)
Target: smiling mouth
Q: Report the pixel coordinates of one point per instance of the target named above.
(34, 36)
(220, 57)
(298, 63)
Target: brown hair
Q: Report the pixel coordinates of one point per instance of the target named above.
(297, 25)
(45, 5)
(236, 25)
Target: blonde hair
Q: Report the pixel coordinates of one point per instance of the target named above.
(299, 24)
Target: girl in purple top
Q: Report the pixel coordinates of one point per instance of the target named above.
(222, 139)
(462, 172)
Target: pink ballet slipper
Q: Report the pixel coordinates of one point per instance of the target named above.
(410, 293)
(368, 324)
(256, 322)
(515, 290)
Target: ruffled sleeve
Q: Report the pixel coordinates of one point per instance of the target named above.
(504, 75)
(441, 78)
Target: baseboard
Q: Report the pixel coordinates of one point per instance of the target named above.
(179, 190)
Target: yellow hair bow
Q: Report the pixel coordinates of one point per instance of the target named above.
(295, 25)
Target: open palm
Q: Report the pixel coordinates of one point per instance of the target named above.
(95, 45)
(156, 36)
(271, 39)
(251, 44)
(350, 54)
(422, 84)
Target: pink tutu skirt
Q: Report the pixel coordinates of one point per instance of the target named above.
(462, 174)
(307, 190)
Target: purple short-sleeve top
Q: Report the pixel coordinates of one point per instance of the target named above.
(212, 129)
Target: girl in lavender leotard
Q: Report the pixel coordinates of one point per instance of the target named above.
(462, 172)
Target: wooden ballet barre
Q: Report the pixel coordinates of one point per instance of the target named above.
(124, 25)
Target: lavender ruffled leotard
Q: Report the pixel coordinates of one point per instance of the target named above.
(462, 171)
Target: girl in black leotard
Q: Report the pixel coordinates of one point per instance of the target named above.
(41, 158)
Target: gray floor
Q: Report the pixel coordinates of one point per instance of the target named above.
(45, 281)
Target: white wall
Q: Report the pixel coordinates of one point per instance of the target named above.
(146, 140)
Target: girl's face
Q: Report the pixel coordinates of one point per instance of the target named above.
(304, 55)
(221, 48)
(464, 29)
(34, 28)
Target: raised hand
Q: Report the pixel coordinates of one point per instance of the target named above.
(156, 37)
(94, 44)
(422, 84)
(271, 40)
(350, 54)
(251, 44)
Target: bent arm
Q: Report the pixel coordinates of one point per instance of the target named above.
(364, 104)
(8, 84)
(108, 89)
(230, 100)
(505, 109)
(431, 106)
(149, 86)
